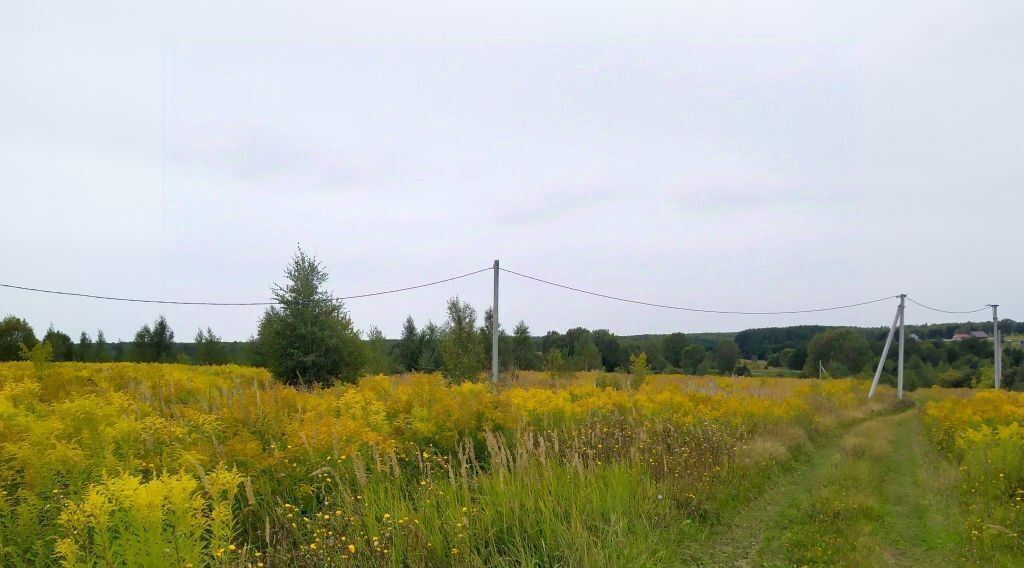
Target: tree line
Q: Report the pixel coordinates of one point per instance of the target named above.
(309, 338)
(152, 344)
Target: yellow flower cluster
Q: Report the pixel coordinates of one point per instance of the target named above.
(166, 521)
(951, 417)
(984, 432)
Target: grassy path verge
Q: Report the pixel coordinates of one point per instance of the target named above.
(877, 496)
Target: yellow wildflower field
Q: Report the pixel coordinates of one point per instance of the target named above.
(125, 464)
(983, 431)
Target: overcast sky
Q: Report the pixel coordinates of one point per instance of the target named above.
(746, 156)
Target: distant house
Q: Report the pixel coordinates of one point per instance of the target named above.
(961, 335)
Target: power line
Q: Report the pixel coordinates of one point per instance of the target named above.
(416, 286)
(137, 300)
(701, 310)
(947, 311)
(183, 303)
(489, 268)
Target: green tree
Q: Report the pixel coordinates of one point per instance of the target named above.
(308, 338)
(461, 351)
(797, 358)
(953, 378)
(255, 352)
(161, 340)
(585, 354)
(781, 359)
(41, 355)
(554, 364)
(140, 350)
(209, 348)
(652, 347)
(691, 359)
(727, 354)
(523, 356)
(429, 348)
(841, 351)
(920, 374)
(673, 346)
(154, 344)
(15, 332)
(378, 360)
(610, 348)
(102, 352)
(638, 370)
(409, 347)
(63, 347)
(85, 350)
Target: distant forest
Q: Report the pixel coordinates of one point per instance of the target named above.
(932, 359)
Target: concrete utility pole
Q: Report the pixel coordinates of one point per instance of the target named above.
(494, 328)
(903, 340)
(885, 352)
(997, 346)
(896, 321)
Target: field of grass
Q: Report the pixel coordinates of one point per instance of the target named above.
(170, 465)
